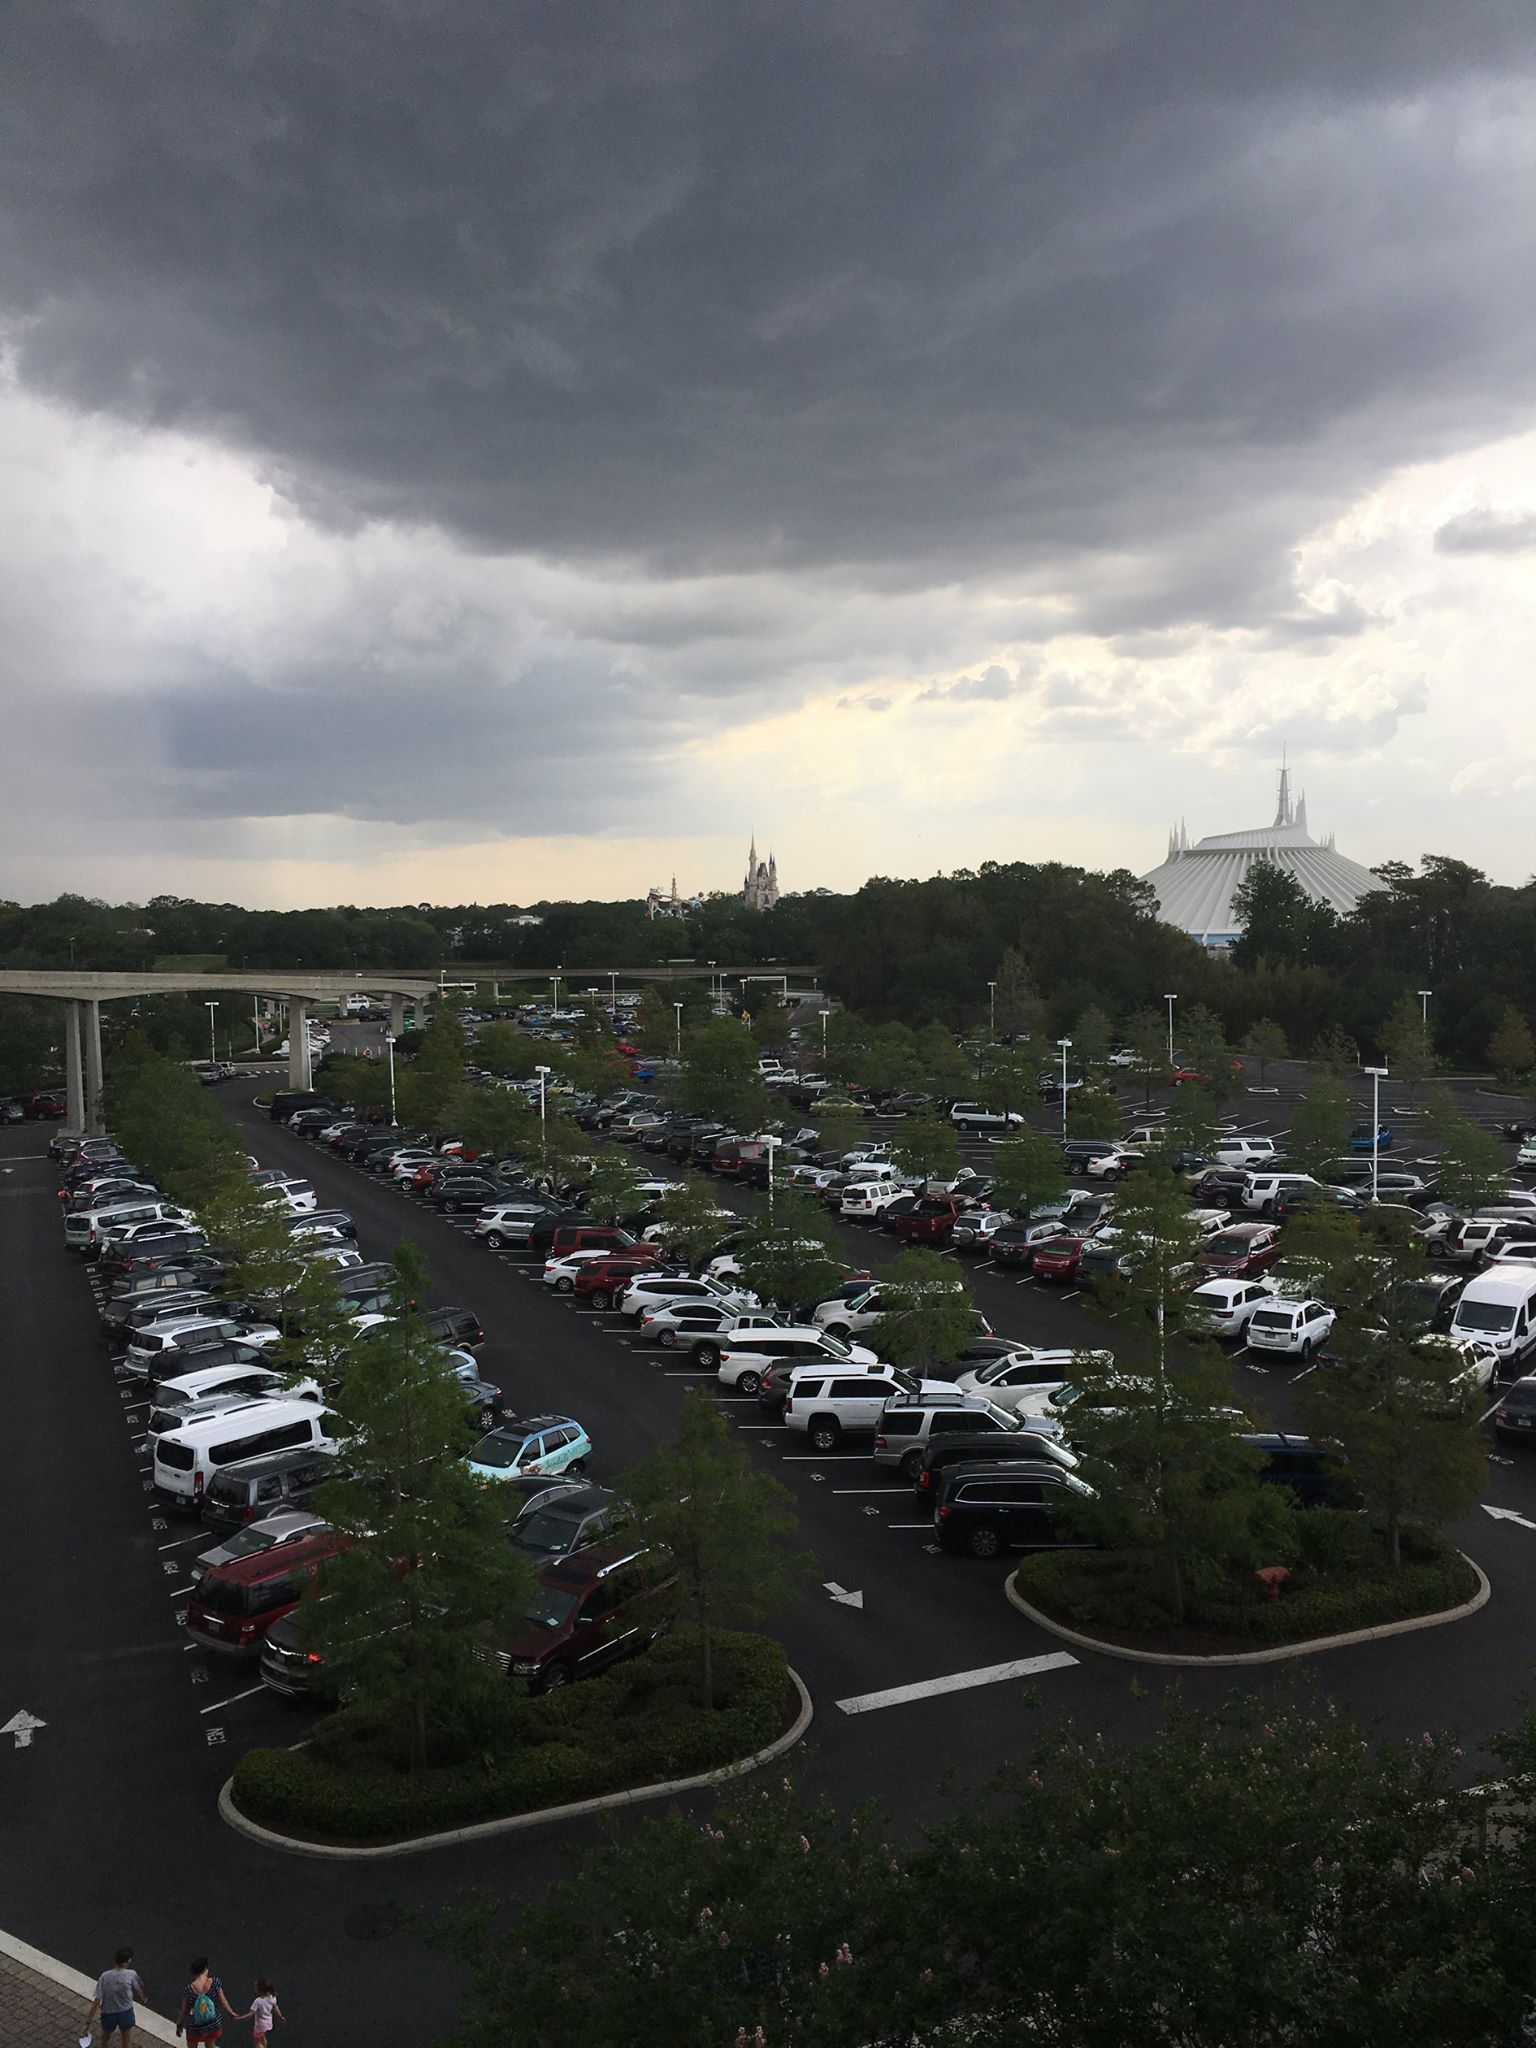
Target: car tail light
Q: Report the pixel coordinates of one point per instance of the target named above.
(942, 1511)
(880, 1443)
(313, 1657)
(197, 1484)
(924, 1481)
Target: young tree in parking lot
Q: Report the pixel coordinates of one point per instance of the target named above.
(1090, 1039)
(1264, 1041)
(511, 1055)
(720, 1077)
(430, 1088)
(362, 1084)
(927, 1316)
(499, 1123)
(947, 1070)
(1207, 1052)
(413, 1612)
(613, 1185)
(1336, 1052)
(1398, 1408)
(1028, 1171)
(928, 1147)
(1174, 1484)
(1092, 1113)
(1015, 1002)
(1191, 1121)
(839, 1130)
(1319, 1133)
(1009, 1077)
(790, 1255)
(244, 1218)
(319, 1327)
(846, 1042)
(1146, 1039)
(166, 1123)
(891, 1061)
(770, 1027)
(1407, 1046)
(1512, 1049)
(1472, 1167)
(654, 1025)
(725, 1524)
(692, 1217)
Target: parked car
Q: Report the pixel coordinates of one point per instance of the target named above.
(234, 1604)
(986, 1509)
(912, 1423)
(589, 1610)
(1226, 1306)
(1006, 1381)
(1316, 1473)
(1293, 1328)
(1370, 1138)
(569, 1520)
(540, 1443)
(1241, 1252)
(254, 1539)
(974, 1116)
(1514, 1419)
(1059, 1258)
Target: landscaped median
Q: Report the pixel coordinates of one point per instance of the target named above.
(1119, 1604)
(639, 1727)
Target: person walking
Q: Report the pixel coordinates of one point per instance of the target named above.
(264, 2011)
(202, 2003)
(116, 1989)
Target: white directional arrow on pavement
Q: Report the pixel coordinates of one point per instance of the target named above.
(1507, 1515)
(842, 1598)
(21, 1725)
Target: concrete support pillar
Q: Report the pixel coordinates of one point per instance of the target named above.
(397, 1014)
(93, 1122)
(298, 1043)
(74, 1078)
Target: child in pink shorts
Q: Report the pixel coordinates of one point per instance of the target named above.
(264, 2011)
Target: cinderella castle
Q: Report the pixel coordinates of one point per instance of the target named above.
(760, 891)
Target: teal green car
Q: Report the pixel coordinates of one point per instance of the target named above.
(546, 1444)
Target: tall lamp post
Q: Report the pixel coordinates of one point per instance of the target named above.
(1378, 1075)
(555, 977)
(389, 1040)
(771, 1145)
(613, 993)
(213, 1036)
(543, 1074)
(992, 1009)
(1424, 996)
(1065, 1044)
(824, 1016)
(1170, 1001)
(678, 1011)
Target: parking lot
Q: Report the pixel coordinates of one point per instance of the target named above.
(914, 1659)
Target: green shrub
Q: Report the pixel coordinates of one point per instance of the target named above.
(638, 1723)
(1092, 1590)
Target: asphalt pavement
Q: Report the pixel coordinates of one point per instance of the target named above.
(110, 1819)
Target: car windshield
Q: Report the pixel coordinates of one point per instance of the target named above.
(549, 1609)
(1272, 1318)
(248, 1540)
(1484, 1315)
(554, 1534)
(1230, 1244)
(498, 1451)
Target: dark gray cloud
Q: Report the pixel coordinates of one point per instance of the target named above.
(1487, 533)
(779, 282)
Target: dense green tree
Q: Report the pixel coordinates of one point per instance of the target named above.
(890, 1062)
(1091, 1036)
(726, 1525)
(1092, 1113)
(1335, 1051)
(1319, 1132)
(927, 1318)
(415, 1608)
(947, 1071)
(430, 1088)
(1281, 924)
(790, 1254)
(1512, 1049)
(31, 1043)
(167, 1123)
(1146, 1040)
(927, 1145)
(1406, 1045)
(1472, 1167)
(1016, 1007)
(499, 1122)
(693, 1217)
(720, 1077)
(1028, 1171)
(1264, 1041)
(839, 1130)
(510, 1054)
(1009, 1079)
(613, 1185)
(358, 1084)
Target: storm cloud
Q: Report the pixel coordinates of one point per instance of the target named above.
(623, 373)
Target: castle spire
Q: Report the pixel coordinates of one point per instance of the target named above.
(1283, 808)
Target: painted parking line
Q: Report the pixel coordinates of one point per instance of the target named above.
(781, 1427)
(826, 1458)
(957, 1681)
(890, 1490)
(219, 1705)
(181, 1592)
(928, 1525)
(177, 1542)
(698, 1372)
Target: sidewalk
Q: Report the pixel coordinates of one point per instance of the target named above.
(43, 2003)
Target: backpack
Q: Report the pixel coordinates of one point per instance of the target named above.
(203, 2012)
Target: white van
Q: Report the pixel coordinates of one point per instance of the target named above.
(1498, 1309)
(187, 1458)
(86, 1229)
(1243, 1151)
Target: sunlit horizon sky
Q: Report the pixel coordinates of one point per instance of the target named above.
(521, 455)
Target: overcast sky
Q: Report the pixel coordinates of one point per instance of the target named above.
(464, 449)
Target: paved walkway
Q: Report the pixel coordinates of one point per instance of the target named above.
(43, 2003)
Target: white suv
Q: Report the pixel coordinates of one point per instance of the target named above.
(971, 1116)
(822, 1403)
(1295, 1328)
(1262, 1190)
(745, 1357)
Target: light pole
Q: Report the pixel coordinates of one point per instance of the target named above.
(771, 1145)
(213, 1036)
(613, 994)
(1424, 996)
(1378, 1075)
(389, 1040)
(556, 979)
(992, 1010)
(678, 1010)
(1065, 1044)
(256, 1024)
(824, 1016)
(1170, 1001)
(543, 1074)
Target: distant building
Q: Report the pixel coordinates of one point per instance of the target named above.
(760, 891)
(1195, 884)
(671, 905)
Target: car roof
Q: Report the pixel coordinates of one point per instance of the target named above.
(257, 1565)
(580, 1500)
(1005, 1468)
(532, 1424)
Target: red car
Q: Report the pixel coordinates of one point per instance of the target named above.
(929, 1221)
(1183, 1074)
(1059, 1258)
(587, 1611)
(602, 1281)
(236, 1603)
(44, 1107)
(1241, 1252)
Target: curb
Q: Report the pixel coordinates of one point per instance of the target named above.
(230, 1814)
(152, 2025)
(1277, 1653)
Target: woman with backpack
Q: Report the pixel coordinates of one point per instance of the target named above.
(201, 2005)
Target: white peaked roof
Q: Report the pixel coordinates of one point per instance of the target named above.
(1195, 884)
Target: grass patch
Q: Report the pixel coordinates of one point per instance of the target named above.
(1124, 1598)
(637, 1724)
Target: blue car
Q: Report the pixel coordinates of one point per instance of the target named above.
(1360, 1139)
(547, 1445)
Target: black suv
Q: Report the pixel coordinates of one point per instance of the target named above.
(264, 1486)
(985, 1445)
(456, 1326)
(567, 1521)
(987, 1509)
(1316, 1475)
